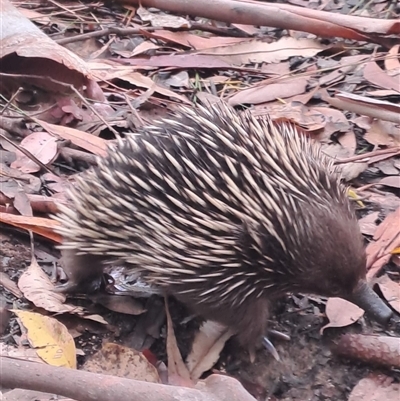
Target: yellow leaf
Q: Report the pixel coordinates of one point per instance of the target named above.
(49, 338)
(352, 194)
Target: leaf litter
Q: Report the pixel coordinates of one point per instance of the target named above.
(72, 91)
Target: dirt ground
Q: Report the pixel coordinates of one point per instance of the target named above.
(307, 371)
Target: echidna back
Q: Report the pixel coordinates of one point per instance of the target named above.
(207, 197)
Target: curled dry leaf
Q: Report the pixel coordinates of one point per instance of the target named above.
(178, 373)
(116, 360)
(341, 313)
(27, 51)
(206, 348)
(37, 288)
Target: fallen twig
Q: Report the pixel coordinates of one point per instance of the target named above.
(320, 23)
(87, 386)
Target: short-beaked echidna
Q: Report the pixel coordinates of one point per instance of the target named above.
(223, 211)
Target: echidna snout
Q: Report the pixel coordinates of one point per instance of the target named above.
(221, 210)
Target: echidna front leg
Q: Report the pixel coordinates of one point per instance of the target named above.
(84, 272)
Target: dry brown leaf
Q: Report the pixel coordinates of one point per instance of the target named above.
(376, 387)
(388, 167)
(178, 373)
(349, 141)
(297, 113)
(383, 133)
(258, 51)
(26, 182)
(335, 120)
(92, 143)
(38, 18)
(341, 313)
(141, 81)
(116, 360)
(119, 303)
(194, 41)
(266, 92)
(107, 70)
(139, 49)
(376, 76)
(368, 106)
(387, 238)
(22, 204)
(9, 285)
(387, 202)
(29, 395)
(392, 181)
(26, 354)
(184, 61)
(392, 62)
(38, 225)
(37, 288)
(368, 224)
(206, 348)
(162, 20)
(391, 291)
(55, 183)
(381, 93)
(41, 145)
(78, 325)
(27, 51)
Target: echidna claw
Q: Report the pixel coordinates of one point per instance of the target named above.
(279, 335)
(270, 348)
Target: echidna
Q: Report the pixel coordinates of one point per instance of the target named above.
(223, 211)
